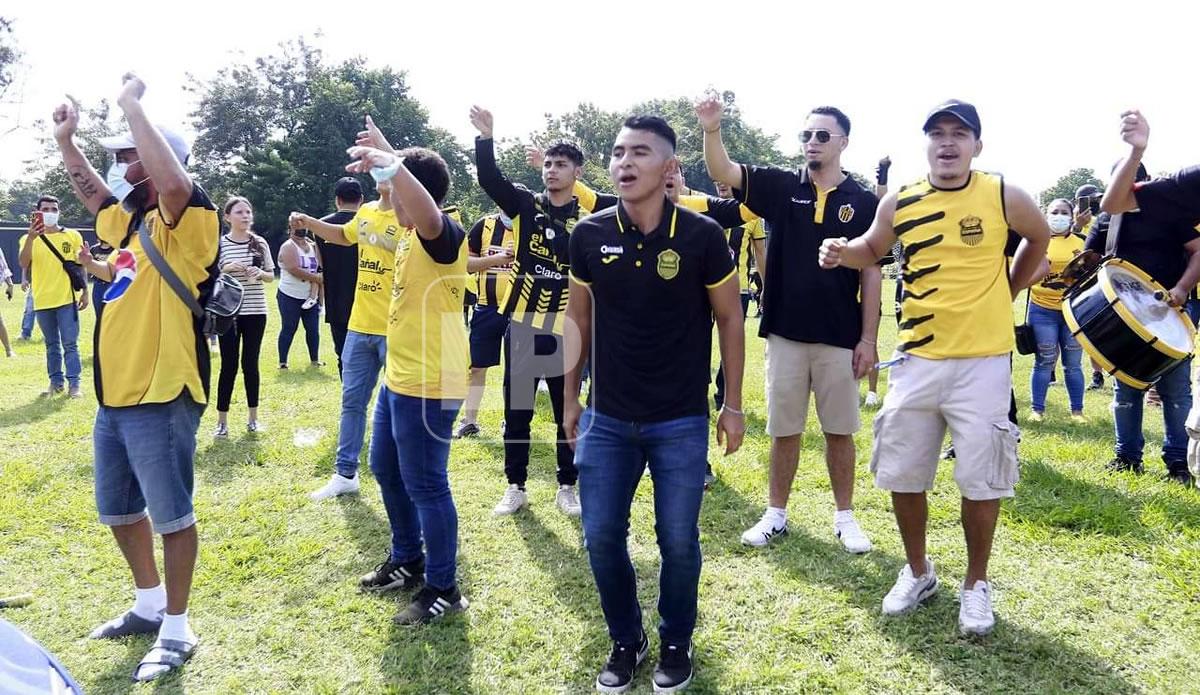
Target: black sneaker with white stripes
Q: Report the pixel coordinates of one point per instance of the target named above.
(430, 604)
(623, 660)
(674, 671)
(389, 575)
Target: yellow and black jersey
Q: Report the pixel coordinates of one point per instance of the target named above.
(956, 301)
(50, 284)
(149, 346)
(1062, 249)
(742, 227)
(541, 264)
(489, 237)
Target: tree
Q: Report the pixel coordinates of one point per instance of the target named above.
(1067, 184)
(8, 54)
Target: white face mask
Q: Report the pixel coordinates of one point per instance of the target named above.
(115, 178)
(1059, 222)
(50, 219)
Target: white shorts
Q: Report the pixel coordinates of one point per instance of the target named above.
(971, 396)
(793, 370)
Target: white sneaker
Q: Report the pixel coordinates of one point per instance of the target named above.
(872, 399)
(308, 304)
(975, 615)
(852, 537)
(567, 500)
(514, 498)
(337, 485)
(909, 591)
(761, 533)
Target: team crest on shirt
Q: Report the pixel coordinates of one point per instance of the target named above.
(970, 228)
(668, 264)
(846, 213)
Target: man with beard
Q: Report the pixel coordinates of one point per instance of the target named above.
(151, 363)
(536, 301)
(820, 337)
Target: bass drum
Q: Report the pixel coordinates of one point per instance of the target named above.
(1117, 317)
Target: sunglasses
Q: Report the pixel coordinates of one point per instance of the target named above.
(822, 136)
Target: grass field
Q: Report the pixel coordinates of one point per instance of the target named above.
(1097, 577)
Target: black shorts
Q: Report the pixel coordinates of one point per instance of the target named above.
(487, 335)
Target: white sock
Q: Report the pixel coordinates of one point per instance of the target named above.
(777, 515)
(176, 627)
(148, 603)
(843, 515)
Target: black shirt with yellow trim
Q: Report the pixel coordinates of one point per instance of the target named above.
(489, 237)
(652, 331)
(742, 228)
(541, 233)
(800, 301)
(1175, 197)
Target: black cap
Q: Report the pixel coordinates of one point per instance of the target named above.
(1088, 190)
(348, 189)
(959, 109)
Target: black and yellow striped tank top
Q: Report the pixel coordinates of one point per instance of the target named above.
(956, 301)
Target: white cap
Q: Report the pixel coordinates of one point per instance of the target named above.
(124, 141)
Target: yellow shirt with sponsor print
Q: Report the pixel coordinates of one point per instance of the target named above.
(376, 232)
(50, 282)
(1060, 252)
(428, 355)
(956, 301)
(150, 348)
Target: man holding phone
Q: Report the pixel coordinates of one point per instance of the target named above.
(56, 305)
(1087, 207)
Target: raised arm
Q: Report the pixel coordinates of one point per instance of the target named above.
(333, 233)
(89, 188)
(720, 167)
(491, 179)
(1135, 131)
(407, 191)
(165, 171)
(1026, 219)
(866, 250)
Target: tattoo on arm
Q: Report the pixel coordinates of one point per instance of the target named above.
(83, 182)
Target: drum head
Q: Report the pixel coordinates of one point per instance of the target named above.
(1158, 317)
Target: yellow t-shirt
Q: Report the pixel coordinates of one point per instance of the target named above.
(956, 301)
(428, 355)
(50, 282)
(1062, 249)
(376, 232)
(150, 347)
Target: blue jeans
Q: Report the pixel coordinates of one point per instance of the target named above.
(292, 314)
(99, 287)
(363, 356)
(1175, 390)
(60, 326)
(27, 317)
(144, 460)
(1193, 310)
(1053, 336)
(410, 447)
(611, 455)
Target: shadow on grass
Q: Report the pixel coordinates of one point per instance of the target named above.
(306, 374)
(119, 678)
(1049, 498)
(36, 410)
(1020, 659)
(220, 460)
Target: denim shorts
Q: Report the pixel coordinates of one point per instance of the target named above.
(144, 456)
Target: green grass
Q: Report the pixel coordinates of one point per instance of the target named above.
(1097, 577)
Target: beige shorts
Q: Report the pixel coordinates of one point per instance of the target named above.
(794, 370)
(971, 396)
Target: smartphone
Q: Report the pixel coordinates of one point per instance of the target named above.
(38, 220)
(1083, 203)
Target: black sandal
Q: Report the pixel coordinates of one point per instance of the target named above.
(165, 652)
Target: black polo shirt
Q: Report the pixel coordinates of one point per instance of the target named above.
(652, 325)
(801, 301)
(1174, 197)
(1153, 243)
(339, 264)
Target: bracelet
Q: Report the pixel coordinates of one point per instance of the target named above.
(868, 342)
(714, 130)
(735, 411)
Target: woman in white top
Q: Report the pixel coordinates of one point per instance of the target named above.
(6, 279)
(247, 257)
(299, 294)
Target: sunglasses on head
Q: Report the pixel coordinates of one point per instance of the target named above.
(822, 136)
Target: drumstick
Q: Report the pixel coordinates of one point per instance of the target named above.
(16, 601)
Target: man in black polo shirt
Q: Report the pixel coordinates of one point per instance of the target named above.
(534, 304)
(340, 264)
(1159, 236)
(820, 338)
(645, 278)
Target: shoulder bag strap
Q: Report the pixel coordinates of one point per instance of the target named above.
(164, 269)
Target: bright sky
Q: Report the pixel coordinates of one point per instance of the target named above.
(1049, 78)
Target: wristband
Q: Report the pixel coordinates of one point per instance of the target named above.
(381, 174)
(735, 411)
(714, 130)
(868, 342)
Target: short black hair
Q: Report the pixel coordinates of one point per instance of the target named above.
(652, 124)
(568, 150)
(430, 169)
(45, 198)
(348, 189)
(842, 119)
